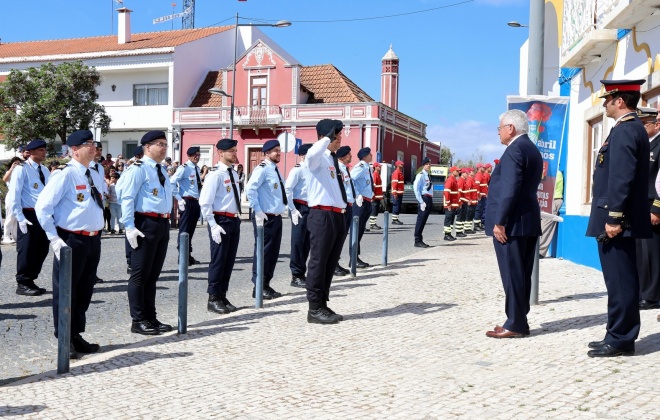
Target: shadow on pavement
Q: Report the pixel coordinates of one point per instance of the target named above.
(411, 308)
(10, 411)
(579, 296)
(575, 323)
(120, 288)
(4, 317)
(647, 345)
(224, 319)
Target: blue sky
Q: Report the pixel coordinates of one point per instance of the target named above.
(457, 63)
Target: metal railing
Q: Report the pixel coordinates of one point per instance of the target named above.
(257, 115)
(579, 19)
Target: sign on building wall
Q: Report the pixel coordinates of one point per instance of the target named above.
(546, 117)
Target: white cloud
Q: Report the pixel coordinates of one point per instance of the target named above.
(468, 139)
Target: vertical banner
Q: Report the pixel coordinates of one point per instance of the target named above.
(546, 116)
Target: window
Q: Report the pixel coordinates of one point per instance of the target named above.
(400, 155)
(206, 155)
(128, 148)
(258, 88)
(152, 94)
(595, 142)
(413, 167)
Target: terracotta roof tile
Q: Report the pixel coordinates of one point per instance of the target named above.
(329, 85)
(106, 43)
(203, 97)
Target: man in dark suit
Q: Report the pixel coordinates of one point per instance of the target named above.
(619, 215)
(648, 250)
(513, 219)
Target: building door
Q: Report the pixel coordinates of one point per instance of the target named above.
(255, 156)
(128, 148)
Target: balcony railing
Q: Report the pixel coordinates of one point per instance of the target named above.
(584, 33)
(257, 115)
(579, 19)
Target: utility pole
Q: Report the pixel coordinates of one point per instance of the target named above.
(535, 47)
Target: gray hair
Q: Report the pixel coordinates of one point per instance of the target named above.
(517, 118)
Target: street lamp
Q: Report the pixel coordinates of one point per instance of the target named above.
(216, 91)
(515, 24)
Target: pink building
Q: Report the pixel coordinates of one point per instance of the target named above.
(275, 94)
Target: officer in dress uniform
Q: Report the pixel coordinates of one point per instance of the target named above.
(27, 182)
(221, 207)
(451, 197)
(648, 250)
(71, 212)
(296, 191)
(265, 191)
(378, 197)
(619, 215)
(364, 188)
(344, 158)
(146, 200)
(423, 189)
(138, 153)
(187, 185)
(326, 223)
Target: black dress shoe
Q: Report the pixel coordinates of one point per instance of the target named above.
(461, 235)
(73, 354)
(339, 272)
(397, 222)
(228, 305)
(342, 269)
(608, 351)
(34, 286)
(596, 344)
(160, 326)
(298, 282)
(339, 317)
(192, 261)
(217, 306)
(360, 262)
(98, 280)
(376, 227)
(268, 293)
(421, 245)
(24, 290)
(449, 238)
(144, 328)
(82, 346)
(321, 316)
(649, 304)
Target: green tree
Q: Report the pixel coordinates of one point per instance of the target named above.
(446, 156)
(50, 101)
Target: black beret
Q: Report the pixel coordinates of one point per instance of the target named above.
(364, 152)
(226, 144)
(192, 150)
(302, 150)
(324, 127)
(79, 137)
(425, 161)
(270, 144)
(138, 151)
(343, 151)
(153, 135)
(35, 144)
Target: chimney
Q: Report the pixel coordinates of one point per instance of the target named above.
(389, 80)
(124, 30)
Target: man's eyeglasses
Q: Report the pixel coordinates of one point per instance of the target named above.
(502, 126)
(159, 144)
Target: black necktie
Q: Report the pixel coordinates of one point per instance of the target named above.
(96, 195)
(161, 177)
(281, 187)
(233, 187)
(41, 175)
(96, 168)
(340, 181)
(371, 177)
(199, 181)
(350, 178)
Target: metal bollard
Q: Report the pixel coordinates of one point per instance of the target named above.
(259, 287)
(184, 240)
(534, 295)
(386, 234)
(64, 317)
(354, 242)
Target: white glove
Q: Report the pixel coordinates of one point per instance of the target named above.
(132, 235)
(358, 200)
(422, 206)
(23, 226)
(182, 205)
(216, 232)
(57, 244)
(295, 216)
(260, 217)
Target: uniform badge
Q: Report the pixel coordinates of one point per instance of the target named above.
(228, 188)
(155, 192)
(36, 185)
(275, 186)
(332, 174)
(600, 158)
(192, 182)
(80, 197)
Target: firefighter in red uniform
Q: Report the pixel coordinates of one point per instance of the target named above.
(472, 201)
(451, 202)
(377, 198)
(488, 168)
(397, 192)
(461, 214)
(479, 184)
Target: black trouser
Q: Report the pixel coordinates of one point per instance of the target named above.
(480, 209)
(515, 259)
(471, 209)
(450, 215)
(397, 202)
(31, 250)
(85, 257)
(188, 220)
(127, 249)
(363, 214)
(327, 232)
(299, 243)
(375, 207)
(146, 263)
(272, 242)
(223, 255)
(648, 266)
(422, 217)
(461, 215)
(617, 259)
(483, 210)
(106, 218)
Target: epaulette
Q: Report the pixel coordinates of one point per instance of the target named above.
(628, 118)
(62, 166)
(297, 165)
(213, 168)
(262, 164)
(137, 162)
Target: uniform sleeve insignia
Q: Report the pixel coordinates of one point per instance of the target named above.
(262, 164)
(656, 203)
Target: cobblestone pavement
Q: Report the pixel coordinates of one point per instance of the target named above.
(26, 330)
(412, 345)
